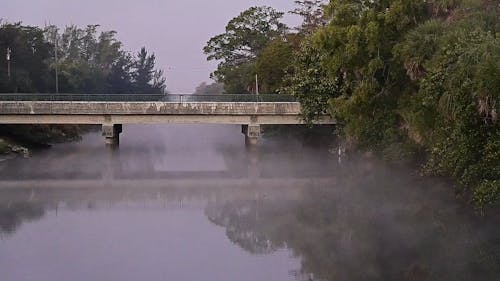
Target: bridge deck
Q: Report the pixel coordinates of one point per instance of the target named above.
(220, 109)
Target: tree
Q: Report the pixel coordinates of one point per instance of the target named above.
(146, 79)
(159, 82)
(246, 36)
(89, 62)
(143, 71)
(209, 89)
(273, 64)
(29, 55)
(411, 80)
(455, 110)
(94, 62)
(86, 58)
(356, 49)
(312, 12)
(310, 83)
(120, 77)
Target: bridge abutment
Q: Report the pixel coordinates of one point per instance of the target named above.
(252, 134)
(111, 133)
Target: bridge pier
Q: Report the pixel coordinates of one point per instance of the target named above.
(111, 132)
(252, 134)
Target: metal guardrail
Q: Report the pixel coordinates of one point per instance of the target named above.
(147, 97)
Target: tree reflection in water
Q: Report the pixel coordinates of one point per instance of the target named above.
(373, 224)
(12, 215)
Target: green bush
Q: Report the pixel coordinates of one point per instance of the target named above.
(486, 194)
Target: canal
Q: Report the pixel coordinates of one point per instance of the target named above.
(192, 203)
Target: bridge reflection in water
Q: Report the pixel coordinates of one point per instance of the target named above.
(338, 227)
(158, 167)
(169, 197)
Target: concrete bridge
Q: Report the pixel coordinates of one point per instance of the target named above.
(112, 111)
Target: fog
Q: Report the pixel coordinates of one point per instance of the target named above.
(176, 31)
(191, 202)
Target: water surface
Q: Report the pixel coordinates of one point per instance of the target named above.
(191, 203)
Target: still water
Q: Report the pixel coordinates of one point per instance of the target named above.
(191, 203)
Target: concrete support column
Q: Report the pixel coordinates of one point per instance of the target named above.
(252, 134)
(112, 133)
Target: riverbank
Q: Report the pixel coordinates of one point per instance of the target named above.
(10, 150)
(21, 140)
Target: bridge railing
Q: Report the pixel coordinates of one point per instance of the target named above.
(78, 97)
(147, 98)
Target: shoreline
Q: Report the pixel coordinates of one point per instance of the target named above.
(10, 150)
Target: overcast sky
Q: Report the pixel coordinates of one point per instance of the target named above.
(175, 30)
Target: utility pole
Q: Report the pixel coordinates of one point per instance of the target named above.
(256, 84)
(57, 67)
(8, 62)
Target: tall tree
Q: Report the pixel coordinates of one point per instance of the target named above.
(29, 54)
(143, 71)
(357, 50)
(273, 64)
(310, 83)
(120, 77)
(146, 79)
(312, 13)
(246, 36)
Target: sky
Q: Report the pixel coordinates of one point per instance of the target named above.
(175, 30)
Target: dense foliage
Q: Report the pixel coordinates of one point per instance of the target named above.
(404, 77)
(88, 62)
(274, 63)
(247, 36)
(408, 80)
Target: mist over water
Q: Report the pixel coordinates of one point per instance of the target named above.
(190, 202)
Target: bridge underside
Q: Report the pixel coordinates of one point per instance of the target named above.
(156, 119)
